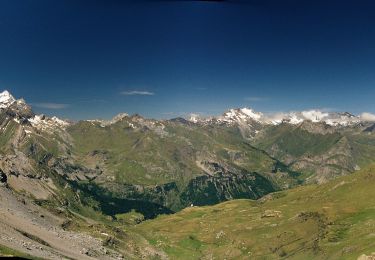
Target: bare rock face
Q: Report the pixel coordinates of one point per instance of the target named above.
(19, 164)
(222, 183)
(317, 128)
(370, 129)
(20, 109)
(3, 177)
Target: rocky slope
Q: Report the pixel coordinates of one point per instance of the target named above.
(173, 163)
(132, 158)
(319, 145)
(133, 167)
(30, 229)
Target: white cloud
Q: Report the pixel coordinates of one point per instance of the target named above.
(137, 92)
(314, 115)
(51, 105)
(365, 116)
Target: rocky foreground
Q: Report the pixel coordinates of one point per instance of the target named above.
(35, 231)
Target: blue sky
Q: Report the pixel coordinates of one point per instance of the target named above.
(161, 59)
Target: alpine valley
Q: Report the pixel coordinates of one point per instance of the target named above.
(242, 185)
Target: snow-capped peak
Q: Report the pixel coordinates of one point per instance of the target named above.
(330, 118)
(241, 114)
(43, 122)
(115, 119)
(249, 112)
(119, 117)
(233, 115)
(6, 99)
(247, 115)
(194, 118)
(59, 121)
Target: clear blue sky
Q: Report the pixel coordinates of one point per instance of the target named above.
(94, 59)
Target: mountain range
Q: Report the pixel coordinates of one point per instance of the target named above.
(111, 173)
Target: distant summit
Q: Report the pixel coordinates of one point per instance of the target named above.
(6, 99)
(245, 115)
(15, 107)
(242, 115)
(20, 111)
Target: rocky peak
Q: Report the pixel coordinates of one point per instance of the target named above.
(347, 114)
(241, 114)
(117, 118)
(16, 108)
(136, 116)
(234, 115)
(21, 112)
(6, 99)
(180, 120)
(251, 117)
(49, 124)
(317, 127)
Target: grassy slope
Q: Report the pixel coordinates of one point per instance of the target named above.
(146, 158)
(6, 134)
(331, 221)
(129, 152)
(8, 252)
(294, 141)
(318, 156)
(363, 146)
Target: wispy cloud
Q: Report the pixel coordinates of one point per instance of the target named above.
(137, 92)
(255, 99)
(50, 105)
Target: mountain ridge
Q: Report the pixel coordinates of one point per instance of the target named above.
(230, 116)
(130, 169)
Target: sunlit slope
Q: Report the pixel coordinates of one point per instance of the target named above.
(162, 152)
(176, 163)
(331, 221)
(319, 151)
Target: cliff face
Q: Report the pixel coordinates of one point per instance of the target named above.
(201, 190)
(209, 190)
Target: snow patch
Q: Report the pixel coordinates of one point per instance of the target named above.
(6, 99)
(247, 116)
(59, 121)
(114, 120)
(242, 114)
(42, 122)
(251, 113)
